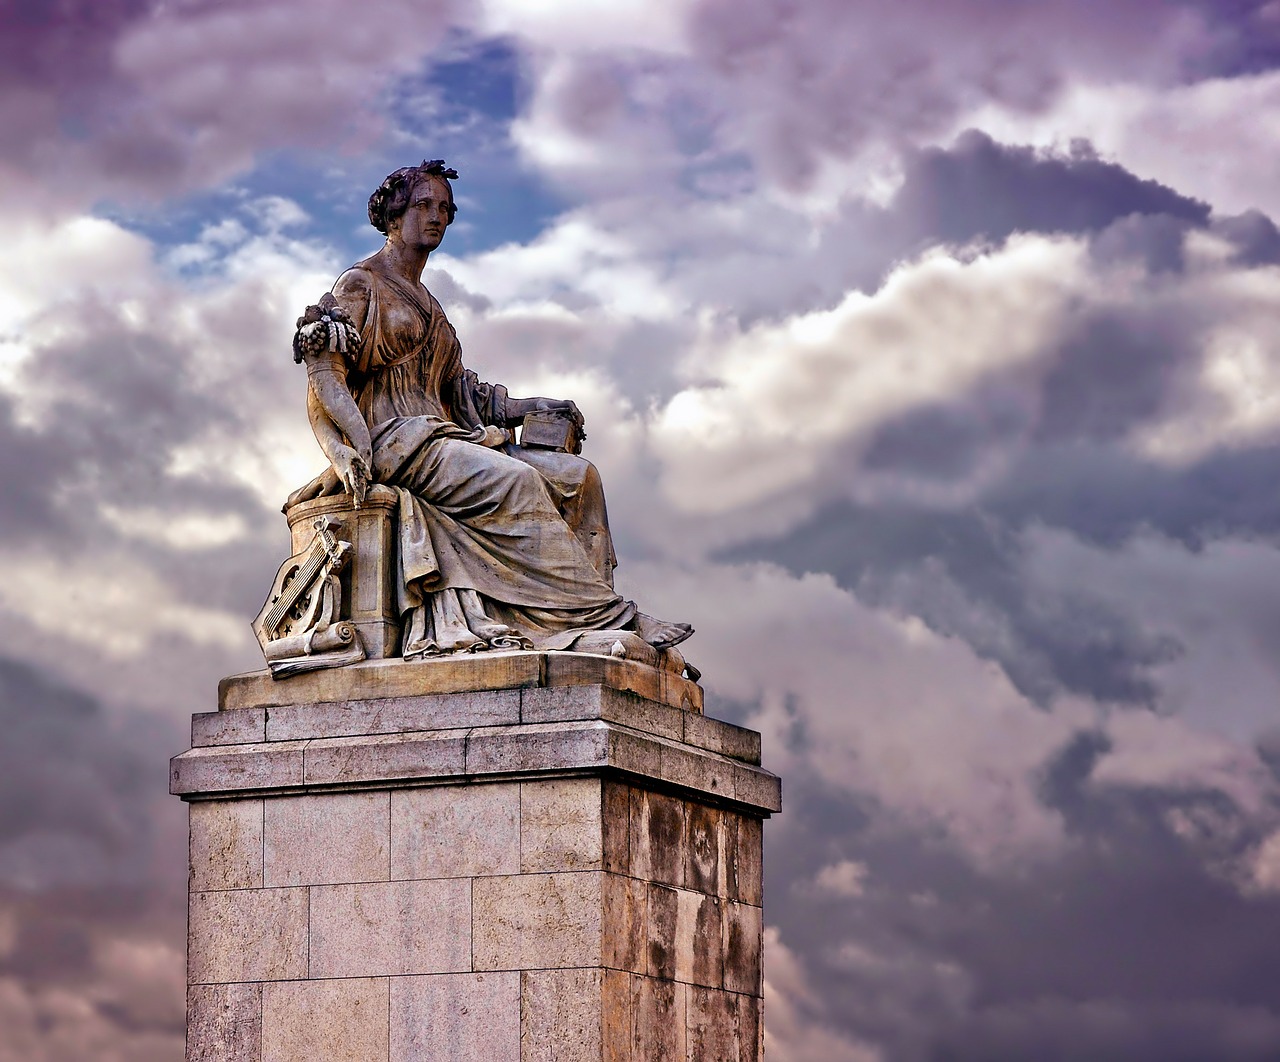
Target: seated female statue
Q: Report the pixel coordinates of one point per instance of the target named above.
(499, 545)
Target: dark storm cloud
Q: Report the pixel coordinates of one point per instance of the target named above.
(977, 191)
(159, 99)
(979, 188)
(962, 573)
(1123, 947)
(75, 794)
(803, 83)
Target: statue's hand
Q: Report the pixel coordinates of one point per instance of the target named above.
(493, 437)
(565, 407)
(353, 470)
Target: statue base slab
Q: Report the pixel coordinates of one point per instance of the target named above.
(512, 856)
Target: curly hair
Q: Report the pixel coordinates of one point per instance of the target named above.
(391, 198)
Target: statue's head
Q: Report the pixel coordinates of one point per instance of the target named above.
(394, 194)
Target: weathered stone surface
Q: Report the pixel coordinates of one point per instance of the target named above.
(305, 1020)
(383, 757)
(704, 850)
(247, 935)
(758, 788)
(228, 728)
(560, 1016)
(699, 939)
(536, 921)
(225, 844)
(750, 1028)
(393, 715)
(451, 831)
(746, 869)
(616, 827)
(395, 927)
(228, 768)
(224, 1023)
(378, 679)
(568, 855)
(471, 1017)
(328, 838)
(537, 747)
(560, 825)
(657, 835)
(658, 1016)
(698, 770)
(564, 703)
(712, 1025)
(615, 1016)
(715, 735)
(597, 743)
(662, 914)
(625, 935)
(743, 929)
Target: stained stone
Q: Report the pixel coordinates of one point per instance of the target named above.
(570, 889)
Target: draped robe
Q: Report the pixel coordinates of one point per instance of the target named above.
(482, 538)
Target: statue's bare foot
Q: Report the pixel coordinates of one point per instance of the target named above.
(660, 633)
(490, 631)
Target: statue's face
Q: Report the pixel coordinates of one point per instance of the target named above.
(427, 216)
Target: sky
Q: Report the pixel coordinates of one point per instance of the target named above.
(927, 353)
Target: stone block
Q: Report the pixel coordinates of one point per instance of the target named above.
(229, 768)
(746, 867)
(615, 827)
(327, 838)
(455, 831)
(750, 1028)
(225, 844)
(560, 1016)
(393, 715)
(247, 935)
(383, 757)
(743, 940)
(680, 692)
(625, 936)
(536, 921)
(468, 1017)
(713, 1026)
(537, 747)
(306, 1020)
(616, 1020)
(704, 850)
(560, 825)
(699, 940)
(715, 735)
(245, 726)
(564, 703)
(374, 679)
(657, 837)
(757, 787)
(662, 910)
(224, 1023)
(659, 1017)
(391, 927)
(583, 669)
(701, 771)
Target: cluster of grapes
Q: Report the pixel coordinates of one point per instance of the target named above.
(325, 326)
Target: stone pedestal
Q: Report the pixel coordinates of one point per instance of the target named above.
(516, 857)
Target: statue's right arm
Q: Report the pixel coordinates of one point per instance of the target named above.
(336, 420)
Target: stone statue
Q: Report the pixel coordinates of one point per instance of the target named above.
(460, 537)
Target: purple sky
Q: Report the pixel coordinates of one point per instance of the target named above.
(928, 355)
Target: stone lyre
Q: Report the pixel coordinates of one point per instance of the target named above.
(296, 627)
